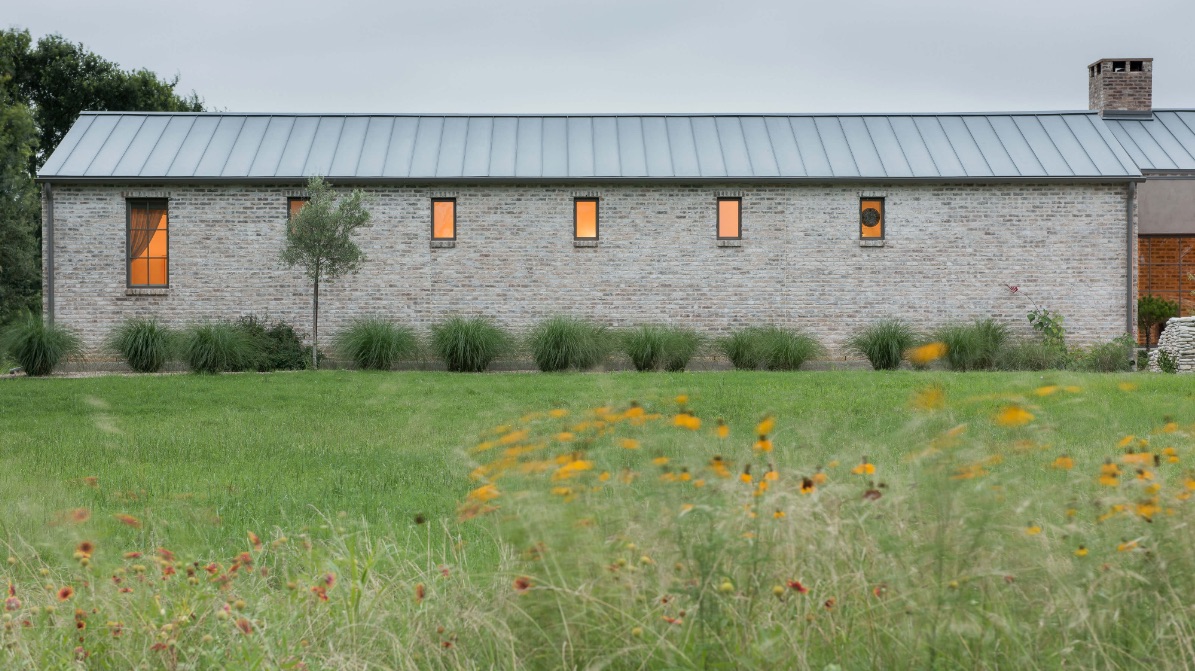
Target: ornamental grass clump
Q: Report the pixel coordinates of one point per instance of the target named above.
(1115, 356)
(560, 343)
(974, 346)
(220, 347)
(771, 347)
(654, 346)
(469, 345)
(145, 344)
(1029, 354)
(744, 348)
(884, 343)
(376, 344)
(38, 347)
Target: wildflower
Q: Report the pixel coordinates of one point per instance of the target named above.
(699, 483)
(1064, 463)
(660, 461)
(562, 491)
(1127, 386)
(778, 515)
(1143, 474)
(1147, 509)
(807, 486)
(687, 420)
(969, 472)
(1126, 546)
(1014, 415)
(765, 425)
(79, 515)
(673, 620)
(86, 548)
(829, 603)
(718, 466)
(726, 587)
(128, 519)
(682, 399)
(923, 355)
(872, 495)
(796, 586)
(629, 444)
(557, 413)
(66, 593)
(864, 468)
(420, 592)
(635, 411)
(604, 476)
(1046, 390)
(565, 437)
(1033, 529)
(1171, 455)
(484, 493)
(763, 444)
(1138, 458)
(572, 468)
(255, 541)
(245, 626)
(522, 584)
(930, 398)
(819, 478)
(1081, 551)
(771, 475)
(761, 488)
(320, 592)
(722, 430)
(746, 475)
(12, 602)
(514, 437)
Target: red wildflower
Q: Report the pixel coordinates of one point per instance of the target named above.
(330, 580)
(255, 541)
(132, 555)
(829, 603)
(673, 620)
(129, 520)
(320, 591)
(159, 647)
(245, 626)
(86, 548)
(420, 592)
(79, 515)
(212, 568)
(165, 554)
(796, 585)
(66, 593)
(12, 602)
(522, 584)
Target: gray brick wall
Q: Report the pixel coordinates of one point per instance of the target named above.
(950, 249)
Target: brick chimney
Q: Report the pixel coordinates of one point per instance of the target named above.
(1121, 85)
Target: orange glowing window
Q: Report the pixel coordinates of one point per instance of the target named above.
(730, 212)
(443, 218)
(148, 243)
(871, 218)
(585, 218)
(293, 205)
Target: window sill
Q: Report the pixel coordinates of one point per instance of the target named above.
(730, 243)
(585, 243)
(147, 291)
(443, 244)
(871, 243)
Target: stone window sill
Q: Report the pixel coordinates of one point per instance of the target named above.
(156, 291)
(585, 243)
(730, 243)
(443, 244)
(871, 243)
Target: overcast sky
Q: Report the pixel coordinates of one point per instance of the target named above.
(548, 56)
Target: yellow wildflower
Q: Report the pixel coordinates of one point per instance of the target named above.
(629, 444)
(1126, 546)
(660, 461)
(1046, 390)
(682, 399)
(565, 436)
(1127, 386)
(923, 355)
(572, 468)
(930, 398)
(763, 444)
(1081, 551)
(484, 493)
(864, 468)
(1033, 530)
(1064, 463)
(1014, 415)
(765, 425)
(557, 413)
(722, 430)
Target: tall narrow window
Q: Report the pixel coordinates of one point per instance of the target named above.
(148, 243)
(730, 212)
(443, 218)
(871, 218)
(585, 219)
(293, 205)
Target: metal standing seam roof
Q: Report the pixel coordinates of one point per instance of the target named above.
(215, 146)
(1166, 142)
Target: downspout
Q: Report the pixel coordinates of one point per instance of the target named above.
(49, 243)
(1130, 301)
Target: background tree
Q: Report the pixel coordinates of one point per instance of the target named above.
(43, 89)
(319, 238)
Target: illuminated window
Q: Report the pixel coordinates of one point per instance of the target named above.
(585, 218)
(443, 218)
(293, 205)
(730, 212)
(148, 243)
(871, 218)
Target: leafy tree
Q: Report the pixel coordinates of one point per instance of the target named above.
(1152, 311)
(319, 238)
(43, 88)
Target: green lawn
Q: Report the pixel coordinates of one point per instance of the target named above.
(350, 459)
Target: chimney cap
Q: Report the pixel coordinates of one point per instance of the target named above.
(1104, 60)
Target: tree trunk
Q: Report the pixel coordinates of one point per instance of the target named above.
(315, 327)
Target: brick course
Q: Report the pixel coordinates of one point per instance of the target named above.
(949, 251)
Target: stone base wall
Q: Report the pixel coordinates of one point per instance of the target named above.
(949, 250)
(1178, 340)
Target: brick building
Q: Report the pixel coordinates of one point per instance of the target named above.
(824, 222)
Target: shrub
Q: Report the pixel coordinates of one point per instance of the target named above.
(376, 344)
(278, 346)
(1110, 357)
(973, 346)
(772, 347)
(38, 347)
(469, 345)
(220, 347)
(680, 344)
(884, 343)
(1152, 311)
(645, 346)
(143, 343)
(1031, 355)
(560, 343)
(1166, 362)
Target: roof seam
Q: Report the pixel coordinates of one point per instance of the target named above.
(899, 145)
(1082, 146)
(1036, 158)
(206, 146)
(1055, 145)
(1189, 130)
(978, 148)
(871, 139)
(930, 154)
(227, 158)
(285, 144)
(849, 150)
(101, 146)
(180, 148)
(1004, 147)
(130, 144)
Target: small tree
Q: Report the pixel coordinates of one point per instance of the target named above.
(318, 238)
(1152, 311)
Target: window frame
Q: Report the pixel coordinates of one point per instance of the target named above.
(883, 217)
(455, 219)
(718, 218)
(128, 243)
(292, 199)
(597, 218)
